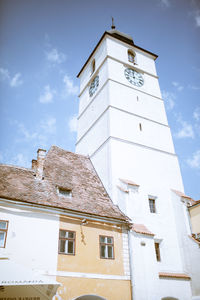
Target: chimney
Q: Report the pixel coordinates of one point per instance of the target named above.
(34, 165)
(41, 153)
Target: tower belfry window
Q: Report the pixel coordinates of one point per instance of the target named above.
(131, 56)
(93, 66)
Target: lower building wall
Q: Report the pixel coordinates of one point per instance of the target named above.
(175, 288)
(72, 288)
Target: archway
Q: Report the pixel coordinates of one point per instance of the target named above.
(169, 298)
(90, 297)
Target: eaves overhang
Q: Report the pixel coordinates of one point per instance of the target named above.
(118, 37)
(68, 212)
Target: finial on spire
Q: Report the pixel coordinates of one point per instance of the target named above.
(113, 25)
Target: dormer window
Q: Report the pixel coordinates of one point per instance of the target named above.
(65, 192)
(131, 56)
(93, 66)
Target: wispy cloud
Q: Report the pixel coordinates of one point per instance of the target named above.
(196, 114)
(177, 85)
(194, 161)
(185, 130)
(164, 3)
(73, 124)
(44, 131)
(70, 88)
(54, 56)
(169, 99)
(194, 87)
(4, 74)
(14, 81)
(47, 95)
(18, 159)
(197, 18)
(48, 126)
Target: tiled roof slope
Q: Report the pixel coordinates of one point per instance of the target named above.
(61, 169)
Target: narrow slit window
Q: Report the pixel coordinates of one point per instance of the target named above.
(152, 205)
(140, 126)
(93, 66)
(67, 242)
(106, 247)
(157, 250)
(3, 233)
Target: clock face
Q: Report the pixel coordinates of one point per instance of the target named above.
(93, 86)
(134, 77)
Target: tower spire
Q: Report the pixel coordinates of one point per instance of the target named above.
(113, 25)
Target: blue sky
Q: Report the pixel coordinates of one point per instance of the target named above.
(44, 45)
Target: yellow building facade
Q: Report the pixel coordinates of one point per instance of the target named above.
(98, 266)
(195, 217)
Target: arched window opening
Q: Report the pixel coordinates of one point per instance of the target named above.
(90, 297)
(131, 56)
(169, 298)
(93, 66)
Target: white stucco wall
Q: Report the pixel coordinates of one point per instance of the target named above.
(32, 239)
(119, 149)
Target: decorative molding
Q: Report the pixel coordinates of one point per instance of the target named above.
(88, 275)
(174, 276)
(132, 143)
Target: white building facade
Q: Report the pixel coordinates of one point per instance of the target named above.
(122, 126)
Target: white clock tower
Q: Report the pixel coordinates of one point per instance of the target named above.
(122, 126)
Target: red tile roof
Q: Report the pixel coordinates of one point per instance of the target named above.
(180, 194)
(195, 203)
(129, 182)
(142, 229)
(174, 275)
(68, 171)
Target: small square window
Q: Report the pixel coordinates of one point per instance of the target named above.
(106, 247)
(67, 242)
(152, 205)
(157, 249)
(3, 233)
(65, 192)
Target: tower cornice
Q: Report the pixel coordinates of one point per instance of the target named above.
(119, 36)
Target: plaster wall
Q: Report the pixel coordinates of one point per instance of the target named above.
(144, 267)
(195, 218)
(179, 289)
(85, 98)
(150, 134)
(116, 289)
(136, 102)
(94, 110)
(94, 137)
(32, 238)
(116, 72)
(99, 56)
(118, 50)
(145, 166)
(87, 253)
(190, 250)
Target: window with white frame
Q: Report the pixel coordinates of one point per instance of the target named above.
(157, 250)
(3, 233)
(67, 242)
(152, 205)
(106, 247)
